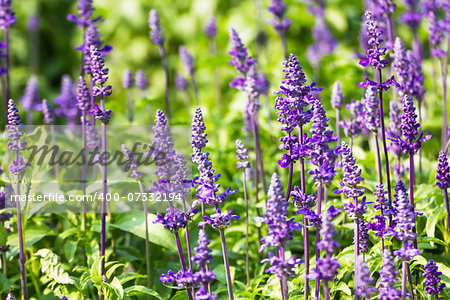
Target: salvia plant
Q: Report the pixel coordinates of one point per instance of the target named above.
(356, 205)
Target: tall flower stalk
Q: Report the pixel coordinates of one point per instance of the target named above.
(99, 77)
(388, 278)
(374, 58)
(291, 104)
(188, 62)
(83, 104)
(436, 37)
(318, 150)
(17, 168)
(337, 101)
(171, 172)
(244, 164)
(355, 210)
(280, 23)
(248, 83)
(405, 223)
(158, 39)
(280, 232)
(432, 276)
(443, 181)
(208, 193)
(211, 32)
(7, 19)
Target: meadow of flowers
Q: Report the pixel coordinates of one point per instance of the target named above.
(267, 149)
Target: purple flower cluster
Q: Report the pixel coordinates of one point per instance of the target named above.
(317, 148)
(155, 28)
(280, 229)
(99, 73)
(207, 184)
(436, 35)
(202, 277)
(131, 163)
(82, 95)
(279, 22)
(31, 99)
(15, 132)
(7, 16)
(241, 156)
(384, 211)
(67, 101)
(141, 80)
(337, 97)
(411, 141)
(294, 96)
(211, 28)
(49, 114)
(371, 113)
(127, 79)
(376, 52)
(354, 126)
(85, 11)
(187, 60)
(388, 278)
(364, 280)
(432, 279)
(181, 83)
(352, 175)
(443, 171)
(4, 217)
(326, 268)
(239, 54)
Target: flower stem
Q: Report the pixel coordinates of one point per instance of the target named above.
(444, 101)
(21, 239)
(195, 86)
(83, 169)
(284, 46)
(181, 257)
(226, 263)
(447, 206)
(319, 210)
(147, 245)
(6, 36)
(129, 106)
(283, 279)
(338, 119)
(104, 192)
(383, 137)
(403, 291)
(246, 227)
(305, 228)
(257, 149)
(411, 291)
(166, 74)
(356, 249)
(380, 176)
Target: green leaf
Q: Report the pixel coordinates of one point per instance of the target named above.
(342, 286)
(5, 285)
(134, 223)
(180, 296)
(124, 278)
(112, 269)
(117, 286)
(139, 290)
(32, 236)
(70, 248)
(51, 267)
(431, 223)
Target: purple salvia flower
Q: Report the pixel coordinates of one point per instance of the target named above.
(326, 268)
(411, 140)
(371, 114)
(364, 280)
(436, 35)
(432, 279)
(198, 135)
(181, 83)
(141, 80)
(394, 130)
(279, 22)
(363, 236)
(173, 220)
(401, 65)
(9, 297)
(280, 229)
(155, 28)
(162, 143)
(443, 171)
(352, 128)
(324, 44)
(404, 214)
(31, 99)
(318, 146)
(181, 278)
(92, 135)
(211, 28)
(64, 298)
(239, 54)
(99, 73)
(67, 100)
(301, 200)
(33, 23)
(127, 79)
(131, 163)
(337, 97)
(203, 277)
(49, 114)
(85, 11)
(352, 174)
(388, 278)
(92, 38)
(103, 116)
(82, 95)
(384, 210)
(187, 60)
(241, 156)
(415, 81)
(375, 52)
(7, 16)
